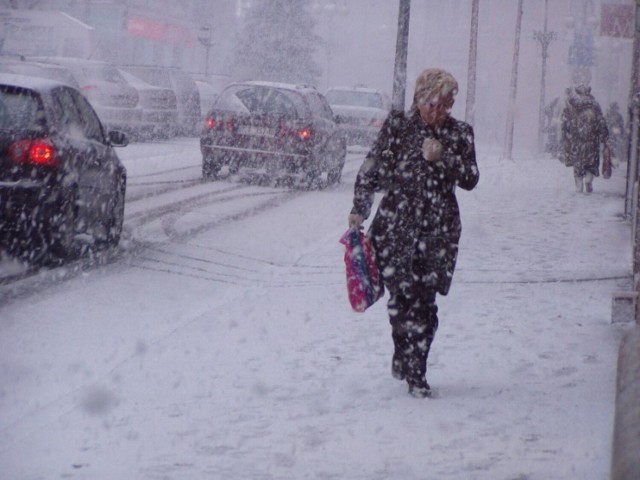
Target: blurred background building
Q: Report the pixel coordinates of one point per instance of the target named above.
(592, 42)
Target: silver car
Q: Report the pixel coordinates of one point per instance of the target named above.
(185, 88)
(359, 111)
(159, 108)
(113, 98)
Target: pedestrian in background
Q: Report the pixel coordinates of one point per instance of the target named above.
(416, 162)
(584, 131)
(617, 132)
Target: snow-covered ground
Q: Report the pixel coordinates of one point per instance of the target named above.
(225, 348)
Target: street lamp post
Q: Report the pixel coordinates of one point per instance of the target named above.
(400, 68)
(545, 38)
(473, 54)
(508, 141)
(206, 40)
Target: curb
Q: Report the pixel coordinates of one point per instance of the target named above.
(625, 463)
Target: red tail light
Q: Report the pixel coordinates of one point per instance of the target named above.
(213, 124)
(89, 91)
(377, 123)
(304, 133)
(38, 152)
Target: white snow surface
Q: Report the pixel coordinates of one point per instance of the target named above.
(231, 352)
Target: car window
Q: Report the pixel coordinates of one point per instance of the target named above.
(68, 117)
(90, 122)
(262, 100)
(20, 109)
(319, 106)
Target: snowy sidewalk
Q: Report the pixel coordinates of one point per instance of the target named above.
(269, 375)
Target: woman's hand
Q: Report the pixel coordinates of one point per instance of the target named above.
(431, 150)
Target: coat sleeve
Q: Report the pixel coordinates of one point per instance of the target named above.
(465, 167)
(377, 169)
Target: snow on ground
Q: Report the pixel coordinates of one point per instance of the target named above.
(247, 362)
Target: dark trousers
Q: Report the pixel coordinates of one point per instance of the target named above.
(413, 315)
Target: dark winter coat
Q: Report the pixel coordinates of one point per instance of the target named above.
(416, 229)
(583, 130)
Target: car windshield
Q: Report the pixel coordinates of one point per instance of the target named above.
(19, 110)
(356, 99)
(261, 100)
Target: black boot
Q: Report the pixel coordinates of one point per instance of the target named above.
(416, 374)
(400, 349)
(420, 389)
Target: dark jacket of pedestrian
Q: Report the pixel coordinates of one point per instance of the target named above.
(416, 162)
(617, 131)
(584, 130)
(416, 228)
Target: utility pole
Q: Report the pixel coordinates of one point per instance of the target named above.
(508, 143)
(545, 38)
(473, 53)
(631, 200)
(400, 68)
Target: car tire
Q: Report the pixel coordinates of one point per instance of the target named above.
(234, 167)
(116, 220)
(335, 174)
(312, 179)
(59, 235)
(210, 168)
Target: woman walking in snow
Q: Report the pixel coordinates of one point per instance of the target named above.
(416, 162)
(584, 129)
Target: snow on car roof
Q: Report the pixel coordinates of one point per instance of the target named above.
(287, 86)
(354, 89)
(34, 83)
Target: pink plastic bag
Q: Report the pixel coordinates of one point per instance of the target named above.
(364, 284)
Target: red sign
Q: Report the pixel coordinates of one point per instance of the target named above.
(142, 27)
(617, 20)
(165, 32)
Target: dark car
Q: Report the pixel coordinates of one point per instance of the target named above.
(185, 88)
(279, 129)
(360, 111)
(62, 185)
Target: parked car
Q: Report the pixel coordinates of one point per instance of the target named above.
(360, 112)
(21, 66)
(60, 178)
(159, 108)
(209, 87)
(280, 129)
(185, 88)
(208, 95)
(113, 98)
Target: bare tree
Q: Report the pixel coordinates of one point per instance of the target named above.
(277, 43)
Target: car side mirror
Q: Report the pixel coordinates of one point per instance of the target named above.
(117, 138)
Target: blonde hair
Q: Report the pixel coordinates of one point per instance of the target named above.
(434, 83)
